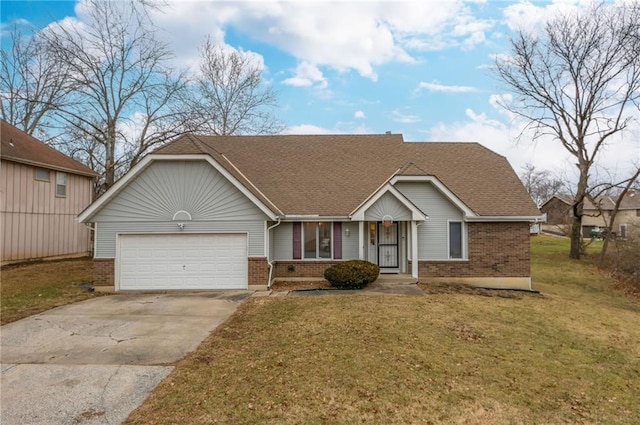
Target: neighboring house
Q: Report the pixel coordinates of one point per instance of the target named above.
(559, 212)
(598, 215)
(241, 211)
(42, 193)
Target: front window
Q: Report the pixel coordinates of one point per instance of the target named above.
(61, 184)
(455, 239)
(317, 240)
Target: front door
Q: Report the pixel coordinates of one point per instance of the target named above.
(388, 252)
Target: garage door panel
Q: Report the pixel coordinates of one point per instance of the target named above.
(185, 261)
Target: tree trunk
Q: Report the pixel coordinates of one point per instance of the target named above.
(578, 204)
(576, 237)
(109, 168)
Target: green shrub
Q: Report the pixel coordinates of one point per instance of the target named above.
(352, 274)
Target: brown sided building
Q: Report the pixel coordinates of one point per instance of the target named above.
(42, 193)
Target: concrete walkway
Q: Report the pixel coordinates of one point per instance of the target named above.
(95, 361)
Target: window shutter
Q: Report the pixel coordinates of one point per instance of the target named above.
(337, 241)
(297, 239)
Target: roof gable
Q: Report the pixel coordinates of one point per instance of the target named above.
(388, 201)
(18, 146)
(145, 188)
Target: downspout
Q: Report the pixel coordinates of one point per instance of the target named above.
(269, 263)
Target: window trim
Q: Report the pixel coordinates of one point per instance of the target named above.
(462, 240)
(61, 185)
(48, 179)
(317, 236)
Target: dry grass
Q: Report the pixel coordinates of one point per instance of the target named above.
(571, 355)
(35, 287)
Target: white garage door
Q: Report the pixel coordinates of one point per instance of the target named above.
(183, 261)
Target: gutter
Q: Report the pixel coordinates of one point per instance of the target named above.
(502, 218)
(269, 263)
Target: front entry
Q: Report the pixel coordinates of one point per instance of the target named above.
(388, 246)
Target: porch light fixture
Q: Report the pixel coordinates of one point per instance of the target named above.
(347, 232)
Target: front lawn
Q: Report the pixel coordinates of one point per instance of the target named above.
(569, 355)
(35, 287)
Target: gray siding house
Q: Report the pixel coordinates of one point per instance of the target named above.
(239, 212)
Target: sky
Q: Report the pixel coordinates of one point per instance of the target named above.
(421, 68)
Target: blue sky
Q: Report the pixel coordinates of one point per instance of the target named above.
(417, 68)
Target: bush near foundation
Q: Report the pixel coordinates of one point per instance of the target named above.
(352, 274)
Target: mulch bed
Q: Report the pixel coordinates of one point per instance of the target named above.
(291, 286)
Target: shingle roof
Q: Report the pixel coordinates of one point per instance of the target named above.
(331, 175)
(630, 202)
(18, 146)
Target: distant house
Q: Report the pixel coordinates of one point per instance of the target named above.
(559, 212)
(598, 215)
(42, 193)
(558, 209)
(239, 212)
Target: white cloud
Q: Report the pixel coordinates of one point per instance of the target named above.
(359, 115)
(308, 129)
(398, 116)
(341, 35)
(306, 75)
(437, 87)
(529, 17)
(340, 128)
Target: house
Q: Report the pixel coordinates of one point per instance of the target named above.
(595, 215)
(598, 213)
(558, 210)
(42, 193)
(242, 211)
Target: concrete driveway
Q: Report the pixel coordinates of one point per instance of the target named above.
(95, 361)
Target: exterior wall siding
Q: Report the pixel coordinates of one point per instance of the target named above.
(34, 222)
(282, 239)
(167, 187)
(495, 250)
(433, 242)
(106, 233)
(350, 243)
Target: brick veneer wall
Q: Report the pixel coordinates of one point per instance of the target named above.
(301, 268)
(495, 250)
(258, 271)
(103, 271)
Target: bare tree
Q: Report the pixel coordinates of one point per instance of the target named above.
(540, 185)
(124, 102)
(32, 83)
(577, 82)
(229, 95)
